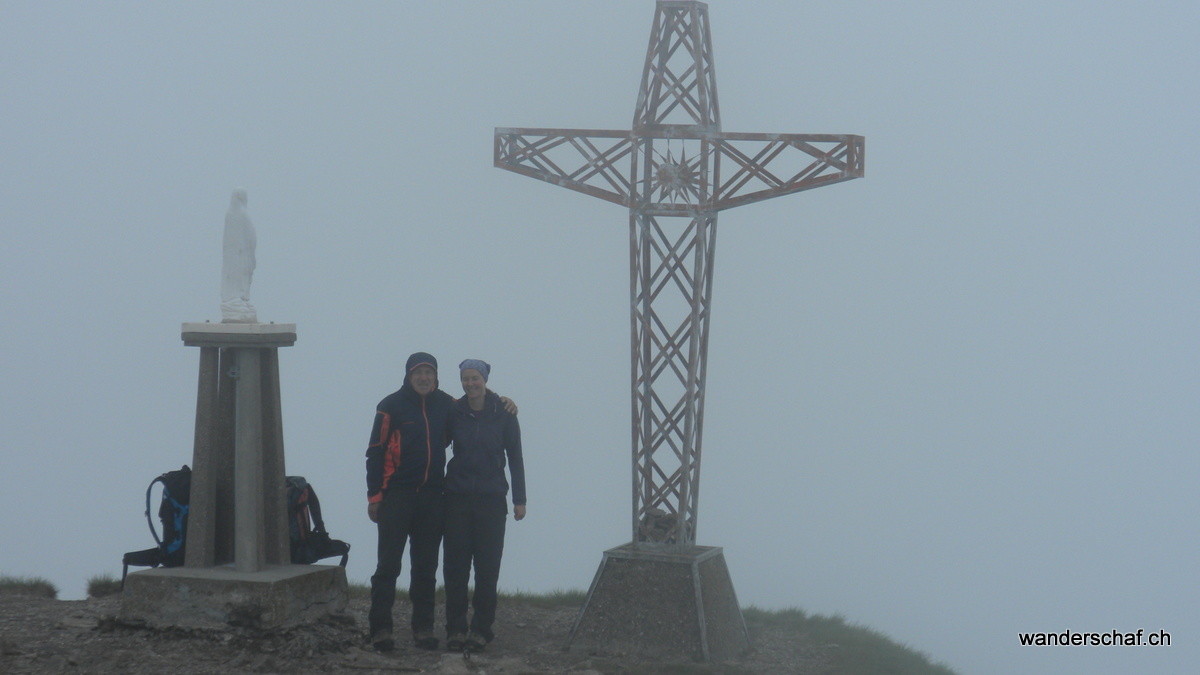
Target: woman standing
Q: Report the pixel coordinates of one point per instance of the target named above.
(486, 437)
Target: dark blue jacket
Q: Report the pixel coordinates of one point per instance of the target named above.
(483, 441)
(408, 441)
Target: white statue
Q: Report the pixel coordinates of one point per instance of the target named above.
(237, 265)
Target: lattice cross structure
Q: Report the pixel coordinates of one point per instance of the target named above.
(674, 171)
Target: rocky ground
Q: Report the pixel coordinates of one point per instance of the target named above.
(41, 635)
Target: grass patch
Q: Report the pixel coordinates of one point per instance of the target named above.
(102, 585)
(363, 590)
(556, 598)
(35, 586)
(359, 590)
(854, 648)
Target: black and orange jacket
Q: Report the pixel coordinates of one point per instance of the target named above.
(408, 442)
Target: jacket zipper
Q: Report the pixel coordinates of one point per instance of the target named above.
(428, 444)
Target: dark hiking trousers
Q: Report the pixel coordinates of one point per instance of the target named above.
(474, 536)
(413, 516)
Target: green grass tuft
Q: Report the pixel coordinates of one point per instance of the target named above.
(854, 648)
(102, 585)
(35, 586)
(556, 598)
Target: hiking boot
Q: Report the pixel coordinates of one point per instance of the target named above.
(456, 642)
(475, 643)
(425, 639)
(382, 641)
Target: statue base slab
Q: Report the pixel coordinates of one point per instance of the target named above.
(219, 597)
(210, 334)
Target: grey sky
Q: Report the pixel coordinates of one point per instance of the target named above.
(953, 400)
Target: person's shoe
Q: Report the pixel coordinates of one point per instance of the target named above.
(425, 639)
(382, 641)
(475, 643)
(456, 642)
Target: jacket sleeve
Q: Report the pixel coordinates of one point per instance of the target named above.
(516, 462)
(376, 447)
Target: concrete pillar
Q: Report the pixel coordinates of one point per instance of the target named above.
(249, 554)
(278, 543)
(201, 535)
(222, 459)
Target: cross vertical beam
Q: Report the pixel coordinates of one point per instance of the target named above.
(679, 83)
(670, 292)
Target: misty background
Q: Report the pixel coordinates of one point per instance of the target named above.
(954, 400)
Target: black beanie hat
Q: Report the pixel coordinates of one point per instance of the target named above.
(420, 359)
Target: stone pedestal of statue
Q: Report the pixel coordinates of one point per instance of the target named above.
(239, 502)
(662, 601)
(237, 568)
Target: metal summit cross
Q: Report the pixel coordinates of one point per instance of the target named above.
(676, 163)
(674, 171)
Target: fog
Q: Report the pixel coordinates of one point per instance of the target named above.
(954, 400)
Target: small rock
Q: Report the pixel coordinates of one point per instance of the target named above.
(455, 664)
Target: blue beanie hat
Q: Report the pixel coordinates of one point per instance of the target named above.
(482, 366)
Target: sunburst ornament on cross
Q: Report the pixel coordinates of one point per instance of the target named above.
(677, 180)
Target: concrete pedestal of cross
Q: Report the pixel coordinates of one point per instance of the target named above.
(237, 568)
(674, 171)
(663, 604)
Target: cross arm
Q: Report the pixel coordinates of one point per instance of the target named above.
(583, 160)
(754, 167)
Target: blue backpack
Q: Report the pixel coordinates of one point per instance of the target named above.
(172, 513)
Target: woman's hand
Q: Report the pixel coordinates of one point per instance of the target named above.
(518, 511)
(373, 511)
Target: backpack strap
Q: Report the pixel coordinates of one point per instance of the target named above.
(149, 520)
(151, 557)
(330, 547)
(314, 509)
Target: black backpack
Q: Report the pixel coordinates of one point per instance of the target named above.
(173, 513)
(309, 540)
(306, 529)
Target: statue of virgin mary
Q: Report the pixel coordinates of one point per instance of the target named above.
(237, 264)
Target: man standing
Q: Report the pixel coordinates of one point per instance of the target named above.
(406, 461)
